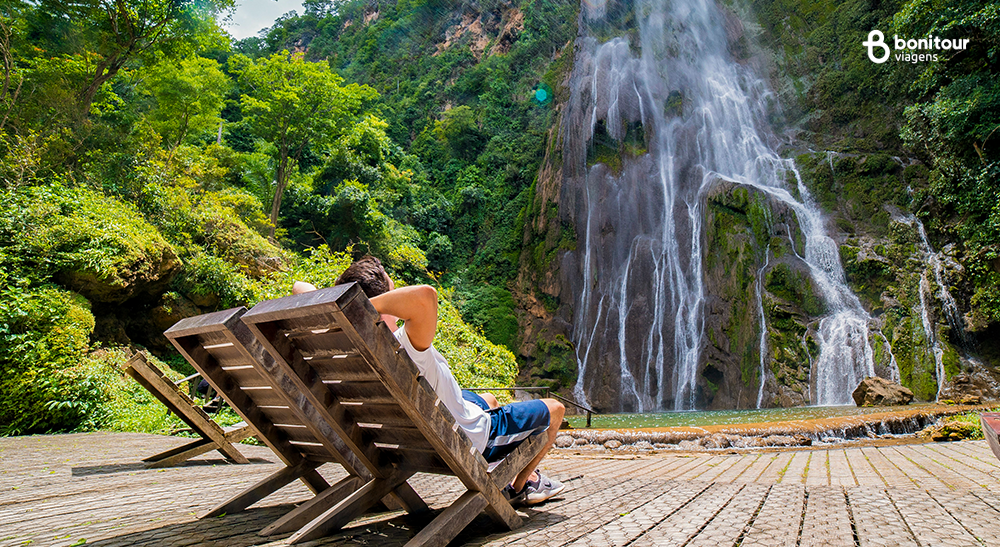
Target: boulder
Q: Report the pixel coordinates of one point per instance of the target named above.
(951, 430)
(137, 274)
(875, 391)
(787, 440)
(564, 441)
(612, 444)
(718, 440)
(965, 389)
(146, 326)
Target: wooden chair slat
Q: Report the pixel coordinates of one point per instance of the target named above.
(364, 392)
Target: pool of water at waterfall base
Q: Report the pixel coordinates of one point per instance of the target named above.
(700, 418)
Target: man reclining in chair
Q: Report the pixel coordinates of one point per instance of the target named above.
(494, 430)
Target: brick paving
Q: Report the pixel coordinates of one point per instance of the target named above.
(63, 490)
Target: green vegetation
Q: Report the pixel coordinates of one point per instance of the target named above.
(159, 173)
(290, 104)
(951, 126)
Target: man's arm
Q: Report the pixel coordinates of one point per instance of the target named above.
(417, 307)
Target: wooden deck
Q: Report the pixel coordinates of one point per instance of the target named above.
(61, 489)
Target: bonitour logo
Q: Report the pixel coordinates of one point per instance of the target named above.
(879, 52)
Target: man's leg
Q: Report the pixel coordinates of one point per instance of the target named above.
(485, 401)
(556, 412)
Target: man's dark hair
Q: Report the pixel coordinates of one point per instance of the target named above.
(368, 273)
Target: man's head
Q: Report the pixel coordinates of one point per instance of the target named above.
(369, 274)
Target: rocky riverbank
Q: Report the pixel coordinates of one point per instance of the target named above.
(794, 433)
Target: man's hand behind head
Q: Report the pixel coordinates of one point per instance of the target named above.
(301, 287)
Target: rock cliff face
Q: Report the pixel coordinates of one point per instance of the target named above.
(755, 283)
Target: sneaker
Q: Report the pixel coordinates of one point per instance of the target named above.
(542, 489)
(513, 497)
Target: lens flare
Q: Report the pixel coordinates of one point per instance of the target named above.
(542, 94)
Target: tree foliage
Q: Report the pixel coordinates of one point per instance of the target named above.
(189, 97)
(115, 33)
(293, 104)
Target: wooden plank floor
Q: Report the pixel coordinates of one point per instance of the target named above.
(61, 489)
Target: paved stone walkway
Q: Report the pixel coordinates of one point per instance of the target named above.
(63, 489)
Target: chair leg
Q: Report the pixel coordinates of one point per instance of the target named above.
(156, 458)
(182, 454)
(350, 507)
(263, 488)
(409, 499)
(301, 515)
(229, 451)
(314, 481)
(450, 522)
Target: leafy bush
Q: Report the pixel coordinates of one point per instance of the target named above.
(474, 360)
(127, 406)
(96, 244)
(320, 266)
(214, 279)
(44, 337)
(491, 309)
(353, 216)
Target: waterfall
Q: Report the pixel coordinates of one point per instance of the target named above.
(762, 348)
(935, 264)
(692, 117)
(935, 261)
(936, 348)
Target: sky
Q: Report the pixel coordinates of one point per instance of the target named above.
(252, 15)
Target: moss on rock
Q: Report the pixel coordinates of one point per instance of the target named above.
(96, 245)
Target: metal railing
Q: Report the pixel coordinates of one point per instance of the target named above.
(548, 393)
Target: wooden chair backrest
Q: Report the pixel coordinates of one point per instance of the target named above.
(364, 384)
(228, 356)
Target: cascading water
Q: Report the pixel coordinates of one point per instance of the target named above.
(935, 263)
(637, 274)
(759, 286)
(925, 319)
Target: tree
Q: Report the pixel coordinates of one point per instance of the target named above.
(460, 129)
(293, 105)
(119, 32)
(189, 96)
(12, 79)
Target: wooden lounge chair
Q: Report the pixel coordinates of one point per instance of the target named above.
(364, 387)
(991, 430)
(221, 348)
(213, 437)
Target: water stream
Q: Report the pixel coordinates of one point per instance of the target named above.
(638, 279)
(935, 262)
(762, 348)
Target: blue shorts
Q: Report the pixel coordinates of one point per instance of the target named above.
(510, 424)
